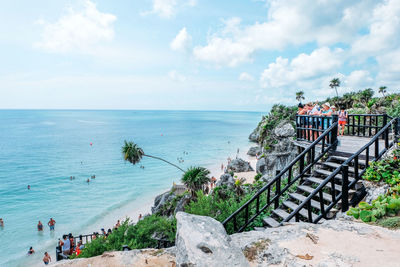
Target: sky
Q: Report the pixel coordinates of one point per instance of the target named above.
(193, 54)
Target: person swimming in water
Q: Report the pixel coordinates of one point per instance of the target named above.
(1, 223)
(31, 251)
(40, 226)
(29, 187)
(51, 224)
(46, 258)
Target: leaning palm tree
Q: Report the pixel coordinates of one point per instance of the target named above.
(382, 90)
(195, 179)
(300, 96)
(335, 83)
(133, 153)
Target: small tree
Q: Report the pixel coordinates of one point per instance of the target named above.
(133, 153)
(335, 83)
(195, 179)
(300, 96)
(382, 90)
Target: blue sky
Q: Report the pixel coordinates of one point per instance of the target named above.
(193, 54)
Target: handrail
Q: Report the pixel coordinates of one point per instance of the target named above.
(344, 169)
(277, 179)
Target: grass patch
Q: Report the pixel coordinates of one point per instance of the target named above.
(390, 222)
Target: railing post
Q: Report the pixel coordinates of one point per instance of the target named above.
(384, 123)
(345, 187)
(334, 132)
(377, 148)
(277, 189)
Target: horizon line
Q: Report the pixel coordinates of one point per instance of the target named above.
(79, 109)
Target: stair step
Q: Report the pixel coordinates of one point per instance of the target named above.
(281, 213)
(336, 165)
(315, 204)
(320, 181)
(303, 212)
(308, 189)
(271, 222)
(326, 173)
(343, 159)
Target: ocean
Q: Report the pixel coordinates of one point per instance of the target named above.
(43, 148)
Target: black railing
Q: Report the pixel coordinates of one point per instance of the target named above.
(83, 239)
(309, 127)
(365, 124)
(364, 155)
(273, 192)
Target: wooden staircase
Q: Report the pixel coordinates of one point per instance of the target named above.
(308, 185)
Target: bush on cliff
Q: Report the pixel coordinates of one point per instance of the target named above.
(136, 236)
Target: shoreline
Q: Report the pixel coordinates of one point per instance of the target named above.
(142, 205)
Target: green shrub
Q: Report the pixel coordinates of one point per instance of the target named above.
(387, 170)
(391, 222)
(136, 236)
(384, 205)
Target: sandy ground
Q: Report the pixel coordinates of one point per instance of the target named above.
(349, 247)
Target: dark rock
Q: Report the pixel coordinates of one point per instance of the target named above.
(239, 165)
(253, 151)
(226, 179)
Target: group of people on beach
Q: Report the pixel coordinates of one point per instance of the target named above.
(314, 109)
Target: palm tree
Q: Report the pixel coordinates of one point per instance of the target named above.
(133, 153)
(335, 83)
(195, 178)
(382, 90)
(300, 96)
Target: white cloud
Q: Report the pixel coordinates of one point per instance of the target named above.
(384, 31)
(282, 73)
(77, 31)
(182, 41)
(244, 76)
(358, 79)
(168, 8)
(289, 22)
(176, 76)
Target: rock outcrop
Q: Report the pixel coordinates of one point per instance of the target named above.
(279, 153)
(161, 200)
(239, 165)
(202, 241)
(226, 179)
(373, 190)
(253, 151)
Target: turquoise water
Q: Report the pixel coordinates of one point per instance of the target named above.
(44, 148)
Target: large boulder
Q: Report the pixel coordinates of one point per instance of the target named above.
(239, 165)
(226, 179)
(253, 151)
(182, 203)
(284, 129)
(202, 241)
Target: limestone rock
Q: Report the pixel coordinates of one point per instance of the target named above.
(202, 241)
(284, 129)
(226, 179)
(239, 165)
(181, 204)
(253, 151)
(254, 136)
(161, 200)
(373, 190)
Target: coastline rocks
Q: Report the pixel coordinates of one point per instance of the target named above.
(284, 129)
(253, 151)
(281, 150)
(182, 203)
(239, 165)
(254, 136)
(161, 200)
(202, 241)
(226, 179)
